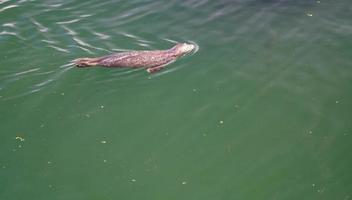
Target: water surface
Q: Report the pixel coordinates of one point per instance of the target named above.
(261, 111)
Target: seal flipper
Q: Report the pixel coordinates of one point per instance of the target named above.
(155, 69)
(158, 67)
(86, 62)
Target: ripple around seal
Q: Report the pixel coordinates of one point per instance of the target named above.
(8, 7)
(39, 80)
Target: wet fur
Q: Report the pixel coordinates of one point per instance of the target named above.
(152, 60)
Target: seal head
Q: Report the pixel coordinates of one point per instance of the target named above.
(183, 49)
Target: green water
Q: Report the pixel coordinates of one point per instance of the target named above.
(261, 111)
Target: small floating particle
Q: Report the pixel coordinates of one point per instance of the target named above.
(87, 115)
(309, 14)
(19, 146)
(318, 1)
(184, 183)
(49, 162)
(103, 142)
(313, 185)
(101, 106)
(310, 132)
(221, 122)
(19, 138)
(337, 102)
(104, 161)
(133, 180)
(42, 126)
(63, 94)
(194, 90)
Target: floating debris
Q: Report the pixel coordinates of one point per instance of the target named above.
(184, 183)
(221, 122)
(19, 138)
(309, 14)
(133, 180)
(101, 106)
(103, 142)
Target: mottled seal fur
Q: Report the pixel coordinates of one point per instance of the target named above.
(153, 61)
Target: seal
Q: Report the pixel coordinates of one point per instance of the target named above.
(153, 61)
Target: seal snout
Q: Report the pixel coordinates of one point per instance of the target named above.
(187, 48)
(184, 48)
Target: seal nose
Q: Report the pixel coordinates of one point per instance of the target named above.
(192, 46)
(188, 47)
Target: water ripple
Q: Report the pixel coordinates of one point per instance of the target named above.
(55, 5)
(3, 1)
(43, 83)
(69, 31)
(27, 71)
(82, 48)
(101, 35)
(8, 33)
(41, 28)
(85, 44)
(9, 24)
(49, 41)
(59, 49)
(8, 7)
(68, 22)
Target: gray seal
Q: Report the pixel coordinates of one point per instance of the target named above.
(153, 61)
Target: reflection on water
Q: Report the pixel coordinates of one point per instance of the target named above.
(261, 111)
(66, 34)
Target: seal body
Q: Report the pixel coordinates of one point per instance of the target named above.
(151, 60)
